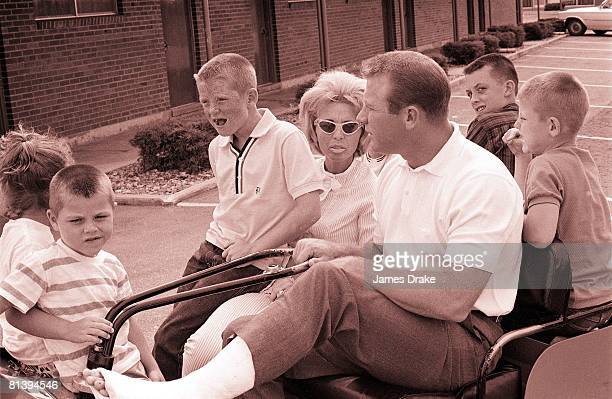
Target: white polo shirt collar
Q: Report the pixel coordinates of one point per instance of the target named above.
(444, 159)
(262, 127)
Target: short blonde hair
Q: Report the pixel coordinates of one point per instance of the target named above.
(78, 180)
(559, 95)
(28, 162)
(331, 87)
(231, 67)
(415, 79)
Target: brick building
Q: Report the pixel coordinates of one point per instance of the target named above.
(82, 66)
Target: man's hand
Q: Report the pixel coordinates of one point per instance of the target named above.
(516, 143)
(238, 249)
(317, 250)
(88, 330)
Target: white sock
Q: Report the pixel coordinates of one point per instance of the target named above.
(226, 376)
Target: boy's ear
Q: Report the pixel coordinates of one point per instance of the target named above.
(509, 88)
(252, 95)
(554, 126)
(52, 220)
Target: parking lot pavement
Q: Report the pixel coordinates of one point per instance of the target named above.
(587, 57)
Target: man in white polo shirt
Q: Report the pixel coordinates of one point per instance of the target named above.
(440, 197)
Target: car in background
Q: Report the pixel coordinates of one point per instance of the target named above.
(598, 19)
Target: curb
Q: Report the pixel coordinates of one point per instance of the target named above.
(166, 200)
(513, 56)
(173, 199)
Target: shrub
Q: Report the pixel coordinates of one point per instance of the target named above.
(557, 24)
(506, 39)
(441, 60)
(518, 31)
(174, 145)
(463, 52)
(536, 30)
(491, 42)
(302, 88)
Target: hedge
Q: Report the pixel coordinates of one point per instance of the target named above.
(174, 145)
(518, 31)
(491, 42)
(463, 52)
(506, 39)
(538, 30)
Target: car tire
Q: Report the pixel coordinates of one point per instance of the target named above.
(600, 32)
(575, 27)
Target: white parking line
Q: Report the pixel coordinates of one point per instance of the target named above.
(594, 138)
(576, 48)
(563, 69)
(197, 204)
(573, 58)
(581, 42)
(585, 85)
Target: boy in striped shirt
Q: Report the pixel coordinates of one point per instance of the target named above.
(74, 279)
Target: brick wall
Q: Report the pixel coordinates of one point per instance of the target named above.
(355, 30)
(297, 39)
(231, 27)
(503, 12)
(434, 21)
(79, 74)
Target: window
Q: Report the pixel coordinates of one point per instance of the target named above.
(73, 8)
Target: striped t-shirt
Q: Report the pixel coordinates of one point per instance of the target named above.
(71, 286)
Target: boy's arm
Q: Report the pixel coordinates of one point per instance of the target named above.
(41, 324)
(136, 337)
(305, 212)
(540, 225)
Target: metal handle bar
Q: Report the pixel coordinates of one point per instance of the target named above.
(481, 388)
(108, 344)
(118, 308)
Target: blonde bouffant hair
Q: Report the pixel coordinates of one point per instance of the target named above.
(331, 87)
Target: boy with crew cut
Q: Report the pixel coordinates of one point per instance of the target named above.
(268, 185)
(491, 84)
(75, 280)
(562, 189)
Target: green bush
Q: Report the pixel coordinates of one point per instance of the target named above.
(491, 42)
(506, 39)
(463, 52)
(174, 145)
(519, 33)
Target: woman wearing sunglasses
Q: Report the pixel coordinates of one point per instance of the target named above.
(327, 115)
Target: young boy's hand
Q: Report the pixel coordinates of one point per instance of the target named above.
(516, 143)
(89, 330)
(238, 249)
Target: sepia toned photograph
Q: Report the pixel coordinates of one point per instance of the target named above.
(305, 199)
